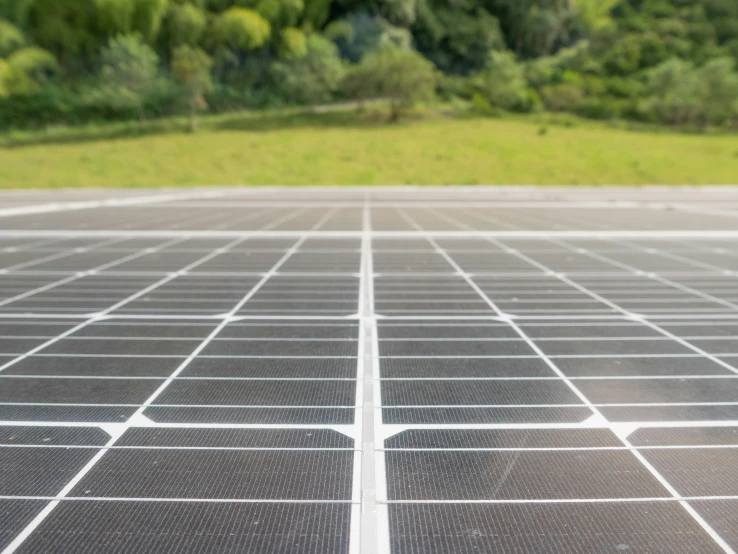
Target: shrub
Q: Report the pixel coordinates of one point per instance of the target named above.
(402, 76)
(503, 83)
(312, 78)
(293, 44)
(599, 108)
(563, 97)
(129, 71)
(11, 39)
(184, 25)
(28, 70)
(241, 29)
(191, 69)
(481, 106)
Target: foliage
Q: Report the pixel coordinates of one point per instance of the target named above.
(562, 97)
(241, 29)
(402, 76)
(361, 33)
(11, 38)
(457, 41)
(191, 69)
(598, 58)
(502, 83)
(183, 24)
(680, 93)
(27, 70)
(129, 71)
(293, 44)
(313, 77)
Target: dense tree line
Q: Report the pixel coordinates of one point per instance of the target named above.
(669, 61)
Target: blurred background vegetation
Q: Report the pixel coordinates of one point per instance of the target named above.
(68, 62)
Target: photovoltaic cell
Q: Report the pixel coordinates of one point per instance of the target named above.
(352, 370)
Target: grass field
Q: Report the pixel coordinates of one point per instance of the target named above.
(349, 149)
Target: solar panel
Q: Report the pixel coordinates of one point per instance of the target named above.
(359, 370)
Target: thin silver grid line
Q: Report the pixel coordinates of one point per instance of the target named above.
(38, 244)
(54, 500)
(410, 339)
(207, 448)
(358, 450)
(329, 501)
(716, 376)
(63, 254)
(410, 234)
(117, 202)
(656, 499)
(672, 491)
(349, 357)
(384, 406)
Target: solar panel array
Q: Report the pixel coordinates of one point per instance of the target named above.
(369, 370)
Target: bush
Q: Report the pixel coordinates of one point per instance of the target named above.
(361, 34)
(599, 108)
(183, 25)
(563, 97)
(456, 86)
(55, 106)
(27, 70)
(241, 29)
(191, 69)
(293, 44)
(11, 39)
(503, 83)
(312, 78)
(480, 105)
(129, 71)
(402, 76)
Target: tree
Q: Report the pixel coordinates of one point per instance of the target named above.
(536, 27)
(65, 27)
(674, 92)
(314, 77)
(183, 24)
(362, 33)
(241, 29)
(404, 77)
(720, 89)
(114, 17)
(11, 38)
(316, 13)
(191, 69)
(129, 71)
(502, 83)
(4, 76)
(293, 44)
(457, 40)
(27, 70)
(279, 13)
(401, 13)
(147, 17)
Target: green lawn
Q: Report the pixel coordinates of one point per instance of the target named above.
(344, 149)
